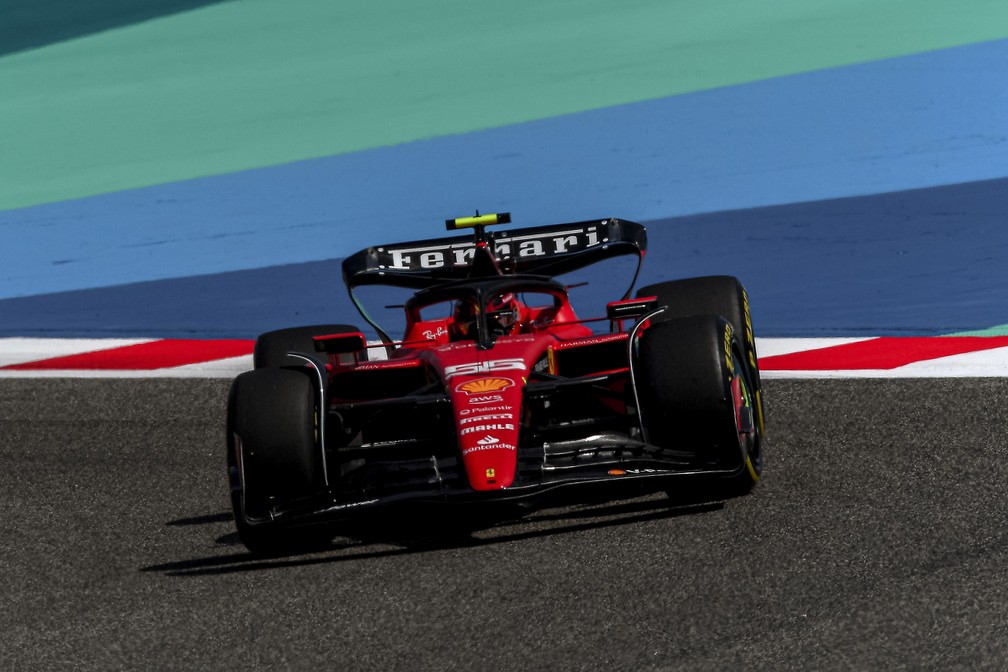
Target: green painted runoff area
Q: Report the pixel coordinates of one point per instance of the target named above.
(254, 83)
(1000, 330)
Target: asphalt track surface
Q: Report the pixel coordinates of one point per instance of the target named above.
(877, 540)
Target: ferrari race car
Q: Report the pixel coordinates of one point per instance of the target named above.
(497, 396)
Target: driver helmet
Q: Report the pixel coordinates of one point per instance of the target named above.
(503, 314)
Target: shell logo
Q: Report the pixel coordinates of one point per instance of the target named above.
(483, 385)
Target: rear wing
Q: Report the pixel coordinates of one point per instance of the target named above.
(544, 250)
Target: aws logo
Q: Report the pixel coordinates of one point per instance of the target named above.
(482, 400)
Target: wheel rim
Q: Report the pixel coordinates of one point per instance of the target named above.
(750, 428)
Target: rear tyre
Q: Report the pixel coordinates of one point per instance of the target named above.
(272, 347)
(694, 396)
(272, 455)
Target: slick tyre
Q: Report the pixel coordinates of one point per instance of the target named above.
(272, 347)
(272, 455)
(712, 295)
(715, 295)
(695, 396)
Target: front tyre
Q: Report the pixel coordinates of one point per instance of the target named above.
(715, 295)
(695, 397)
(272, 455)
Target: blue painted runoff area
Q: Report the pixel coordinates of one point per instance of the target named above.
(919, 262)
(922, 121)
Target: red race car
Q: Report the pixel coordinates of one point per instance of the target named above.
(498, 397)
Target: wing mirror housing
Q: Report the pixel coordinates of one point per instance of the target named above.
(334, 344)
(628, 308)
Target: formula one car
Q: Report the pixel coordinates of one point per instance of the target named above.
(497, 396)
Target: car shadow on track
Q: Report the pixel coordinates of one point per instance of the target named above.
(420, 536)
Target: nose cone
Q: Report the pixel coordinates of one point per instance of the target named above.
(487, 411)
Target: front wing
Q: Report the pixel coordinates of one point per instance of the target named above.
(582, 459)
